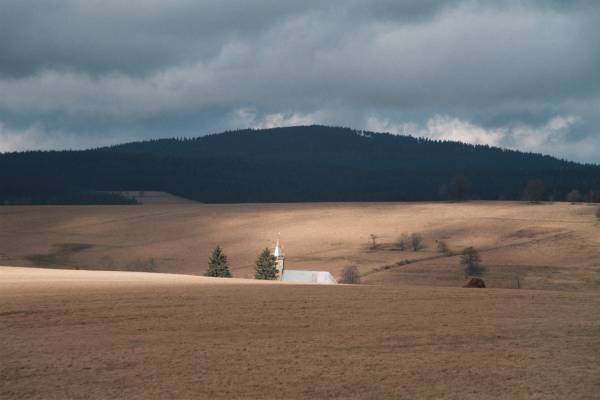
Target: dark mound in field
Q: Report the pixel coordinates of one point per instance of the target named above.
(475, 283)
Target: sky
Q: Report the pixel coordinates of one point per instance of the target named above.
(512, 73)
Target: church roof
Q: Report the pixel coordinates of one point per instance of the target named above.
(301, 276)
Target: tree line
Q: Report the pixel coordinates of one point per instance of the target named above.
(265, 266)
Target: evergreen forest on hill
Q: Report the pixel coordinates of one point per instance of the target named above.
(293, 164)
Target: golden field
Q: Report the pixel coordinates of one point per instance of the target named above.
(121, 335)
(410, 331)
(534, 246)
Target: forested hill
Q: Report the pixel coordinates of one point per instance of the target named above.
(310, 163)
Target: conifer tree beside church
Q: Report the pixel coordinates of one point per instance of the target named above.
(217, 264)
(265, 266)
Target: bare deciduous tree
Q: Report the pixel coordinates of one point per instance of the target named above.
(373, 241)
(403, 242)
(471, 262)
(416, 241)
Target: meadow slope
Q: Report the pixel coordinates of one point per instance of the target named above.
(107, 335)
(545, 246)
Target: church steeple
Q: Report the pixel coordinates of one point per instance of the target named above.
(279, 259)
(278, 252)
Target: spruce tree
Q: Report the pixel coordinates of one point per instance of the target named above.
(265, 266)
(217, 264)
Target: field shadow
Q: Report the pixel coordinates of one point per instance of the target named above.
(60, 256)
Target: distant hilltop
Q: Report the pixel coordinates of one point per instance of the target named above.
(294, 164)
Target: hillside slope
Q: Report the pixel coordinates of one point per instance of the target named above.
(295, 164)
(546, 246)
(69, 334)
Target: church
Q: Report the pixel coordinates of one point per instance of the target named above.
(299, 276)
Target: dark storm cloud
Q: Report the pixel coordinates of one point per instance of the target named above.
(142, 35)
(132, 37)
(514, 73)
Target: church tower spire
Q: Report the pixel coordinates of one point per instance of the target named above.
(279, 259)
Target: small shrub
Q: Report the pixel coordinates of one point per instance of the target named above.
(416, 241)
(442, 247)
(350, 275)
(142, 265)
(477, 283)
(598, 214)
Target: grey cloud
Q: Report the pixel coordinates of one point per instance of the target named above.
(141, 35)
(97, 36)
(148, 68)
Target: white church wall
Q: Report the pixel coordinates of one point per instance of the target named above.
(301, 276)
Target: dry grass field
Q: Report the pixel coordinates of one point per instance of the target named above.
(540, 246)
(410, 332)
(95, 334)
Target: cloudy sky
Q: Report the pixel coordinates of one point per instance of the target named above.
(519, 74)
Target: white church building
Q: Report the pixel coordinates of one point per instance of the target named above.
(299, 276)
